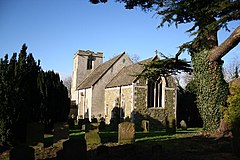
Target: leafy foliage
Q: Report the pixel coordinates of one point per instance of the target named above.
(211, 90)
(165, 67)
(21, 96)
(54, 99)
(205, 16)
(232, 114)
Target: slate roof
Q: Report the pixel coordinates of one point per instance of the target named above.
(126, 75)
(93, 77)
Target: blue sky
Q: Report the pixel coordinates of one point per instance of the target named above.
(55, 29)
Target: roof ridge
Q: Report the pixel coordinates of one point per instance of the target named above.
(117, 75)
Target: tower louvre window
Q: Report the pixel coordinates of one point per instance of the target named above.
(89, 62)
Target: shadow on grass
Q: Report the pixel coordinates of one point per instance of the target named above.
(194, 148)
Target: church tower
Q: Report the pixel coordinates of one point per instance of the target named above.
(84, 62)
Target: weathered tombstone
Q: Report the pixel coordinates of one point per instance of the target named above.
(35, 134)
(145, 125)
(183, 125)
(71, 123)
(102, 125)
(61, 132)
(94, 120)
(80, 123)
(85, 124)
(92, 134)
(73, 149)
(170, 125)
(22, 152)
(126, 132)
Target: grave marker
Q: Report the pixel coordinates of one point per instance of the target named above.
(145, 125)
(73, 149)
(126, 132)
(92, 134)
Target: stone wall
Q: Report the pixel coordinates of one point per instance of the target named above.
(111, 95)
(85, 98)
(118, 97)
(126, 99)
(156, 116)
(99, 87)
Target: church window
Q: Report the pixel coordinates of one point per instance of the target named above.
(89, 62)
(154, 94)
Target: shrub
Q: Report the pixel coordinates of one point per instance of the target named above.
(232, 114)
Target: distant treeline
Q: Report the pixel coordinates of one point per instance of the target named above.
(29, 94)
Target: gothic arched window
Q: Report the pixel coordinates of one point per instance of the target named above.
(154, 93)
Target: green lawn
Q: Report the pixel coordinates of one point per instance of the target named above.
(108, 137)
(179, 146)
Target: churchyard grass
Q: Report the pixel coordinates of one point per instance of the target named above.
(190, 142)
(108, 136)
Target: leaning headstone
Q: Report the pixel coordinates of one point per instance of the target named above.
(126, 132)
(22, 152)
(183, 125)
(35, 134)
(73, 149)
(145, 125)
(92, 134)
(61, 132)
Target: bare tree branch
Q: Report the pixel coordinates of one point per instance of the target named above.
(231, 42)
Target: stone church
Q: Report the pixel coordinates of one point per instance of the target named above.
(99, 88)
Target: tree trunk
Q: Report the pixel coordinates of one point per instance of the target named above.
(211, 89)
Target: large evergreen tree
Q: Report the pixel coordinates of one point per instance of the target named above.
(28, 94)
(207, 18)
(54, 99)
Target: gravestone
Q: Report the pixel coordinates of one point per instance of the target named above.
(61, 132)
(80, 123)
(126, 132)
(22, 152)
(102, 125)
(145, 125)
(73, 149)
(35, 134)
(183, 125)
(94, 120)
(170, 125)
(85, 124)
(71, 123)
(92, 134)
